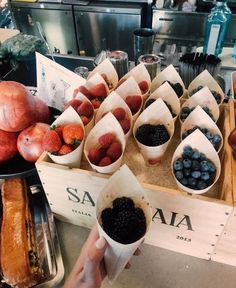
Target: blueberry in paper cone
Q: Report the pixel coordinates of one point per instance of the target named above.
(124, 222)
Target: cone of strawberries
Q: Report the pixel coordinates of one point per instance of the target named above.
(65, 138)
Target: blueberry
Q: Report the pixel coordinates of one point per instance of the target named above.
(196, 155)
(192, 182)
(204, 130)
(187, 151)
(196, 174)
(205, 176)
(203, 157)
(212, 167)
(187, 172)
(217, 139)
(201, 185)
(209, 135)
(178, 164)
(186, 110)
(179, 175)
(204, 166)
(184, 181)
(185, 134)
(196, 165)
(183, 115)
(187, 163)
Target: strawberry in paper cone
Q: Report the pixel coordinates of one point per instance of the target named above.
(108, 73)
(117, 106)
(105, 145)
(124, 197)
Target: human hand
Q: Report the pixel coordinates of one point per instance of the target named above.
(89, 270)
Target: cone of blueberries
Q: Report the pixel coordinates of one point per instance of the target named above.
(124, 216)
(195, 164)
(199, 119)
(153, 131)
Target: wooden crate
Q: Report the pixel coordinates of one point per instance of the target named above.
(190, 224)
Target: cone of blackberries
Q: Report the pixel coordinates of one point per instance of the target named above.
(124, 222)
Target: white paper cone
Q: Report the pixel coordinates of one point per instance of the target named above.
(122, 183)
(198, 117)
(107, 124)
(205, 79)
(170, 74)
(203, 98)
(156, 113)
(110, 103)
(197, 141)
(73, 158)
(107, 68)
(167, 93)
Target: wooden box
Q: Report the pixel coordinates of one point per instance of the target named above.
(190, 224)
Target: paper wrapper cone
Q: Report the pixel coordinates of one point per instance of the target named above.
(140, 73)
(198, 117)
(130, 88)
(122, 183)
(197, 141)
(73, 158)
(156, 113)
(107, 124)
(107, 68)
(110, 103)
(205, 79)
(167, 93)
(90, 125)
(203, 98)
(170, 74)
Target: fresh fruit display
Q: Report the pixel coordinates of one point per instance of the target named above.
(30, 141)
(151, 100)
(61, 140)
(107, 150)
(177, 87)
(152, 135)
(134, 102)
(8, 145)
(185, 111)
(215, 139)
(216, 95)
(124, 222)
(194, 170)
(84, 108)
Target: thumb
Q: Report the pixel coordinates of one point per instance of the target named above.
(96, 252)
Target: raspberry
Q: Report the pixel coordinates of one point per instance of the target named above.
(134, 102)
(94, 155)
(85, 120)
(106, 139)
(85, 109)
(75, 103)
(114, 151)
(96, 103)
(143, 85)
(125, 125)
(105, 161)
(119, 113)
(99, 91)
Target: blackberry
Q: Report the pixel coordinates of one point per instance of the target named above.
(122, 203)
(107, 218)
(177, 87)
(149, 102)
(170, 109)
(152, 135)
(217, 96)
(195, 90)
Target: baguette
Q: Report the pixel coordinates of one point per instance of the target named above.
(19, 261)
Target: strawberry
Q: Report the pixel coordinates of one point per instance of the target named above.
(119, 113)
(106, 139)
(85, 109)
(85, 120)
(121, 82)
(125, 124)
(105, 161)
(143, 85)
(99, 91)
(114, 151)
(134, 102)
(82, 89)
(73, 134)
(59, 130)
(51, 141)
(65, 149)
(96, 103)
(75, 103)
(94, 155)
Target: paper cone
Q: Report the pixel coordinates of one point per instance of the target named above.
(130, 88)
(197, 141)
(107, 70)
(139, 73)
(107, 124)
(122, 183)
(203, 98)
(156, 113)
(205, 79)
(90, 125)
(170, 74)
(73, 158)
(201, 119)
(167, 93)
(110, 103)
